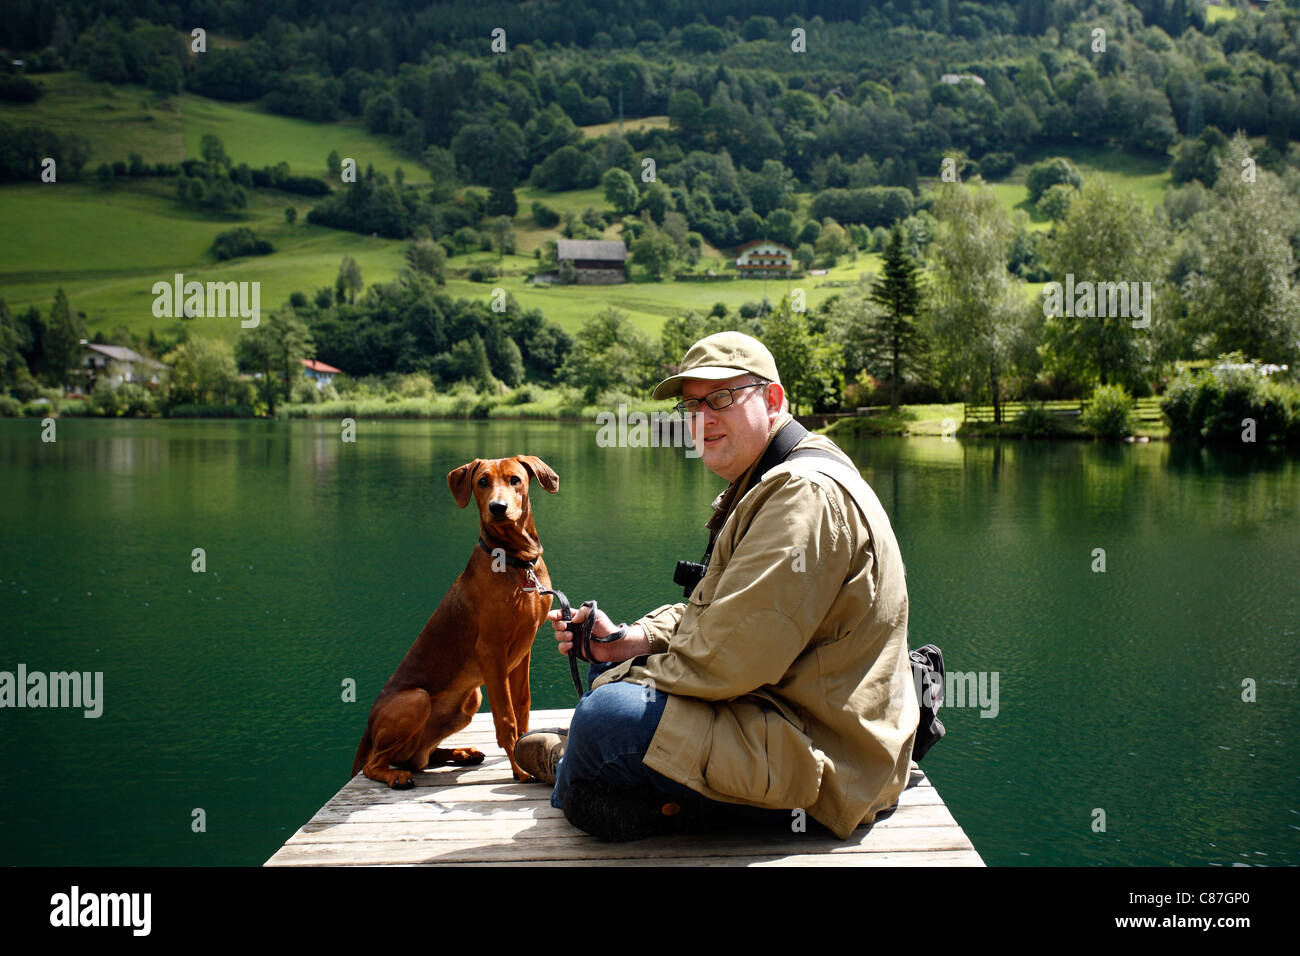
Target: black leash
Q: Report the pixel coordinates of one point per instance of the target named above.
(582, 636)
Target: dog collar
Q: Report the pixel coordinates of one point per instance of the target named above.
(510, 559)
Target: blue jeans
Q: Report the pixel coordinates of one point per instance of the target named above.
(608, 738)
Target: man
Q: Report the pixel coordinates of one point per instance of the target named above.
(784, 683)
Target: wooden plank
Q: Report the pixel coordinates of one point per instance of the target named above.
(910, 858)
(479, 815)
(501, 790)
(458, 808)
(508, 794)
(548, 825)
(573, 846)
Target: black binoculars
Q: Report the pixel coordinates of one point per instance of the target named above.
(688, 575)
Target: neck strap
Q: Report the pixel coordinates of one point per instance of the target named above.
(778, 448)
(510, 558)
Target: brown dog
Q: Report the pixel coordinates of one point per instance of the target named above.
(481, 633)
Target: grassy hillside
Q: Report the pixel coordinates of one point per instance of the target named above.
(1144, 176)
(120, 120)
(107, 247)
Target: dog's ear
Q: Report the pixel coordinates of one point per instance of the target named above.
(540, 470)
(459, 480)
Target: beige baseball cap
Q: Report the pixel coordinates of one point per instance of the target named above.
(721, 356)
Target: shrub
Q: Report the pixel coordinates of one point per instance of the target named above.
(104, 399)
(19, 89)
(74, 408)
(997, 165)
(10, 407)
(1233, 399)
(135, 401)
(1110, 414)
(1042, 176)
(544, 215)
(240, 242)
(304, 391)
(523, 395)
(1037, 422)
(25, 387)
(1211, 406)
(468, 404)
(210, 411)
(1184, 406)
(415, 385)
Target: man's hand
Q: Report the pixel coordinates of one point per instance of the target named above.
(633, 644)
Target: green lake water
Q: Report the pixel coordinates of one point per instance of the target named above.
(1119, 692)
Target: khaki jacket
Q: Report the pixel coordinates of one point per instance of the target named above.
(788, 669)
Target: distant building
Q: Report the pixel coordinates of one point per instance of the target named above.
(594, 260)
(319, 372)
(953, 79)
(763, 257)
(119, 364)
(1262, 369)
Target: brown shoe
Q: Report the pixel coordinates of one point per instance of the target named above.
(539, 751)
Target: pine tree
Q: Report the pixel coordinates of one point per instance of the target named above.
(64, 330)
(348, 284)
(1195, 113)
(894, 335)
(501, 200)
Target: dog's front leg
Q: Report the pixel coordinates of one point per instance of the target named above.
(521, 696)
(493, 668)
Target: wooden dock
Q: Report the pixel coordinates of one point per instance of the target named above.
(479, 816)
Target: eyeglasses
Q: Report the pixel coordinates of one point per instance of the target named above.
(716, 400)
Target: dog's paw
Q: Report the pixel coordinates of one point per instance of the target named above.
(523, 776)
(402, 781)
(466, 756)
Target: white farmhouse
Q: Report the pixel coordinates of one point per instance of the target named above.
(119, 364)
(764, 257)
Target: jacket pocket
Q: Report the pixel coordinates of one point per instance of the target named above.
(758, 756)
(702, 596)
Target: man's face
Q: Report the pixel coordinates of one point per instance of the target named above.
(731, 439)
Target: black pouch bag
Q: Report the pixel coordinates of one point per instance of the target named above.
(928, 674)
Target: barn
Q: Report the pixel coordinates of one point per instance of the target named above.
(594, 260)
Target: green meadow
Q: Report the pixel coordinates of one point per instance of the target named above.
(120, 120)
(1143, 176)
(107, 246)
(597, 130)
(1213, 13)
(264, 139)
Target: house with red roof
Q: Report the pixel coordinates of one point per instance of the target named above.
(319, 372)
